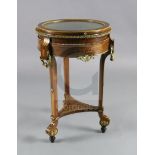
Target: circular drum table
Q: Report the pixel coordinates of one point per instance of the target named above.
(73, 38)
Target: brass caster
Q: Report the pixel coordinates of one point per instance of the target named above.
(104, 122)
(103, 129)
(52, 139)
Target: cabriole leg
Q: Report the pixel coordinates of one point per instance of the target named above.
(52, 128)
(104, 120)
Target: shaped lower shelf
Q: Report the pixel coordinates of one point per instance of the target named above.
(73, 106)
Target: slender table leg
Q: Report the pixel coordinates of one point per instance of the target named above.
(52, 128)
(66, 77)
(104, 120)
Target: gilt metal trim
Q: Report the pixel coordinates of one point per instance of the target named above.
(43, 44)
(47, 62)
(74, 36)
(112, 50)
(86, 58)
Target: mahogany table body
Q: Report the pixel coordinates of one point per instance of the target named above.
(73, 38)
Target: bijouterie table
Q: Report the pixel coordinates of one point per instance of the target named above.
(73, 38)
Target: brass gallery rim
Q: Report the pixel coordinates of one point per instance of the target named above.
(45, 28)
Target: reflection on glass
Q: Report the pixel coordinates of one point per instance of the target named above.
(73, 25)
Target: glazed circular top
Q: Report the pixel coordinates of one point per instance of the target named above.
(73, 28)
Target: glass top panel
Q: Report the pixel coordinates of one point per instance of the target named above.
(73, 25)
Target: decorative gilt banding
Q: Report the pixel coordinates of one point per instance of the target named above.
(74, 36)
